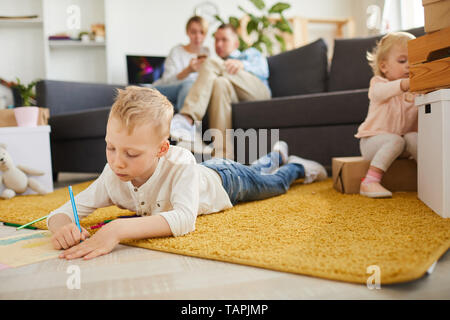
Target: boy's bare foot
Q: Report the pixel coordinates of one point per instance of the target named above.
(374, 190)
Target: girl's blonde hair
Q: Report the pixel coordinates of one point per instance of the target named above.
(384, 46)
(199, 20)
(136, 106)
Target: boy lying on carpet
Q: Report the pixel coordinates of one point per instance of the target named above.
(163, 184)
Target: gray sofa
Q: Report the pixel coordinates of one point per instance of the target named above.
(316, 107)
(78, 116)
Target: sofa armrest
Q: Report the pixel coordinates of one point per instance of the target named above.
(318, 109)
(63, 97)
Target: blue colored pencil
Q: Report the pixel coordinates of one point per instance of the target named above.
(74, 208)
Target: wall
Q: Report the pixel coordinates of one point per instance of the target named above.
(22, 48)
(359, 13)
(25, 51)
(152, 27)
(147, 27)
(74, 63)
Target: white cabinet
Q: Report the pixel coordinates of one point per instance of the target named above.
(30, 55)
(434, 151)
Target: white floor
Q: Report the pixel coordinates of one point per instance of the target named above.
(136, 273)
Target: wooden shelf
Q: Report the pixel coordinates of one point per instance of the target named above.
(13, 23)
(30, 23)
(74, 43)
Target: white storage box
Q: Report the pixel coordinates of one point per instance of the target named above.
(433, 163)
(30, 146)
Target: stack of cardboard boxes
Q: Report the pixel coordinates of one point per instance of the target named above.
(429, 58)
(437, 14)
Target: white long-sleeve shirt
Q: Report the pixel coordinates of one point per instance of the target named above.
(179, 190)
(177, 60)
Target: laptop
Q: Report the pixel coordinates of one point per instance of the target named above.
(144, 69)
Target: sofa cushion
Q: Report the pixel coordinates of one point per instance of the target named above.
(80, 125)
(79, 155)
(66, 97)
(417, 32)
(299, 71)
(349, 66)
(318, 109)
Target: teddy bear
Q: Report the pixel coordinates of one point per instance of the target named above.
(15, 179)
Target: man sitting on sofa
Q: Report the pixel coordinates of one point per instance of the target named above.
(237, 76)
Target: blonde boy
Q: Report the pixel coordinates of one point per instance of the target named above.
(162, 184)
(143, 175)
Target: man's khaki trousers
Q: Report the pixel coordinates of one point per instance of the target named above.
(215, 90)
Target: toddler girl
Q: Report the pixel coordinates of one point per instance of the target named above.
(390, 128)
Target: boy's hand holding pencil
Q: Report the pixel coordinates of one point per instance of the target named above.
(68, 235)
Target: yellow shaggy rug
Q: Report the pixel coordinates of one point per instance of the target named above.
(311, 230)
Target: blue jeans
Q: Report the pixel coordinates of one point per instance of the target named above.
(255, 182)
(176, 93)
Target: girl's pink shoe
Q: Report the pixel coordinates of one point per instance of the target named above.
(374, 190)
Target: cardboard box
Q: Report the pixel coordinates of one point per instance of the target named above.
(433, 147)
(7, 118)
(348, 172)
(437, 14)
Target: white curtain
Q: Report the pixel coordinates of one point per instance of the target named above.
(401, 15)
(391, 19)
(412, 14)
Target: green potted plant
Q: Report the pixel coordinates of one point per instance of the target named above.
(265, 27)
(84, 37)
(25, 112)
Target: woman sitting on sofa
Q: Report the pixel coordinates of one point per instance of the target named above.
(183, 62)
